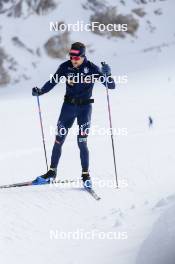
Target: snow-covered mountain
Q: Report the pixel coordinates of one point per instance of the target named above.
(145, 157)
(23, 53)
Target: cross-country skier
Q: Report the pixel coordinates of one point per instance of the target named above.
(77, 105)
(150, 121)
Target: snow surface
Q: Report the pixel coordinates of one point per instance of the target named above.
(145, 157)
(158, 248)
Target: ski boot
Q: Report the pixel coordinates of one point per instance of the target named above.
(87, 183)
(46, 178)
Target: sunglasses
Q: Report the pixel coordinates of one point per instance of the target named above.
(75, 58)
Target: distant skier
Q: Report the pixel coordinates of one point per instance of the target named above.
(77, 105)
(150, 120)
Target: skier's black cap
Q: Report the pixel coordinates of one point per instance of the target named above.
(77, 49)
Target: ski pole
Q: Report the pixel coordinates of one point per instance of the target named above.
(42, 130)
(111, 128)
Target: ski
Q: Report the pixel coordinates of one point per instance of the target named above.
(92, 193)
(30, 183)
(21, 184)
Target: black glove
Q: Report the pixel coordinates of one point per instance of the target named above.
(36, 91)
(105, 69)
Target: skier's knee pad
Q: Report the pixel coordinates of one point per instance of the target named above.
(59, 140)
(82, 141)
(61, 133)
